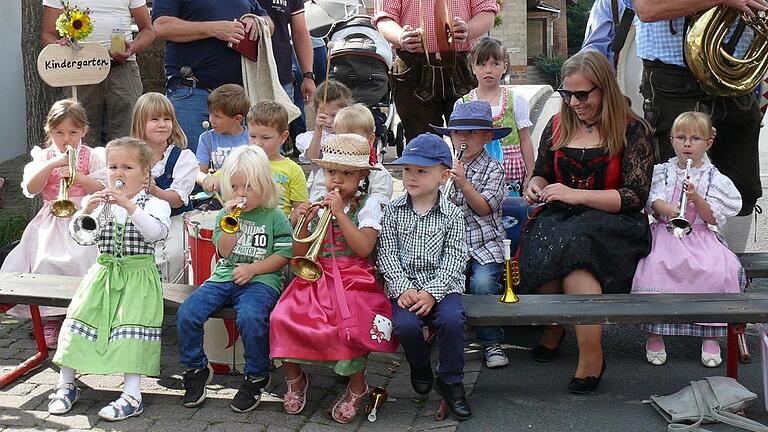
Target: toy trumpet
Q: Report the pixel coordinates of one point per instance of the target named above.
(378, 396)
(512, 277)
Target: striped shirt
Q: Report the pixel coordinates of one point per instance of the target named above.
(485, 235)
(411, 12)
(425, 252)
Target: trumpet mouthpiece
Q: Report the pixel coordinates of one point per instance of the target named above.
(206, 124)
(119, 184)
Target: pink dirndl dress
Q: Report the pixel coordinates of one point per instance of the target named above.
(697, 263)
(46, 246)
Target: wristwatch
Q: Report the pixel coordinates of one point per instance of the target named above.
(309, 75)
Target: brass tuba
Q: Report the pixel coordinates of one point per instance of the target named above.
(64, 207)
(709, 50)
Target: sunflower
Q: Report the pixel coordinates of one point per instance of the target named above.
(74, 23)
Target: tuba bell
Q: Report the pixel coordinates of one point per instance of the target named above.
(63, 207)
(709, 48)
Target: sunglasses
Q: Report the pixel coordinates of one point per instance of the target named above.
(581, 96)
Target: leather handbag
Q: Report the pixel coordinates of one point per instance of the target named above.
(711, 400)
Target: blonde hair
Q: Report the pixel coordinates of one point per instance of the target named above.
(143, 153)
(253, 164)
(355, 117)
(614, 109)
(155, 104)
(337, 92)
(270, 114)
(694, 121)
(63, 110)
(230, 99)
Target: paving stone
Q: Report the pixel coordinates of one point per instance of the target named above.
(317, 427)
(428, 423)
(19, 389)
(235, 427)
(133, 424)
(216, 413)
(167, 411)
(18, 417)
(275, 418)
(46, 376)
(74, 421)
(179, 425)
(102, 381)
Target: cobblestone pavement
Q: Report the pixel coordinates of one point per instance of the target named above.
(23, 405)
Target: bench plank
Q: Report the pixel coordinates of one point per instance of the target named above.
(617, 309)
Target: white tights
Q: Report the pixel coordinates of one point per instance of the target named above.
(131, 382)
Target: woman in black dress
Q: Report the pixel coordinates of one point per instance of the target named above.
(593, 175)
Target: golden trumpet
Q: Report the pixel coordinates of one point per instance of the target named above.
(512, 278)
(378, 396)
(230, 223)
(63, 206)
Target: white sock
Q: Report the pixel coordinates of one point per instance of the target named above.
(132, 385)
(66, 375)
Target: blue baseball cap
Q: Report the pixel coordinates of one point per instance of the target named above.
(426, 150)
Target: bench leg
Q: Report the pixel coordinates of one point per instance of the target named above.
(34, 361)
(732, 350)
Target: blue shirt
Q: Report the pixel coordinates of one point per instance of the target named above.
(600, 28)
(219, 145)
(211, 60)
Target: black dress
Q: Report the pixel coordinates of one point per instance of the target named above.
(561, 238)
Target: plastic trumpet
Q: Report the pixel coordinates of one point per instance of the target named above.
(230, 223)
(378, 396)
(512, 278)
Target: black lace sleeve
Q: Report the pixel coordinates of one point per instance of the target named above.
(636, 168)
(545, 161)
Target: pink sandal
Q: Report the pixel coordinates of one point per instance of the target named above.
(294, 401)
(344, 411)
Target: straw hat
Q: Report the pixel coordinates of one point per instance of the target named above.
(346, 152)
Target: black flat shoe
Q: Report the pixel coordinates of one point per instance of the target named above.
(455, 399)
(543, 354)
(586, 385)
(422, 381)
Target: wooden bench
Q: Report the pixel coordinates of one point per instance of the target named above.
(734, 309)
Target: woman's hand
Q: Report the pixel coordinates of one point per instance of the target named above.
(532, 192)
(560, 192)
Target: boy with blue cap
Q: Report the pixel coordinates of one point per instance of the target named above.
(422, 256)
(480, 189)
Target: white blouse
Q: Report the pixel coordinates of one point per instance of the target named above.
(717, 189)
(369, 216)
(153, 221)
(184, 172)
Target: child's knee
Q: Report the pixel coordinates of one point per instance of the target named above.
(408, 328)
(252, 322)
(189, 316)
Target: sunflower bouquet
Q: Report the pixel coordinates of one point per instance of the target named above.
(74, 24)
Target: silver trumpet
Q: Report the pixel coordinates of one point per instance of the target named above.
(448, 188)
(679, 226)
(85, 229)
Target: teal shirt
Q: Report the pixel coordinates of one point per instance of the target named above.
(263, 232)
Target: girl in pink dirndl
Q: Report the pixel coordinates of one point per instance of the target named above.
(699, 262)
(304, 325)
(46, 246)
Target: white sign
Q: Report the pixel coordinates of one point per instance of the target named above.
(61, 66)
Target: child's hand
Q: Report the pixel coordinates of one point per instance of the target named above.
(150, 185)
(94, 201)
(691, 192)
(63, 171)
(407, 298)
(116, 196)
(211, 184)
(302, 209)
(323, 121)
(423, 305)
(334, 202)
(458, 174)
(243, 274)
(230, 205)
(460, 30)
(61, 160)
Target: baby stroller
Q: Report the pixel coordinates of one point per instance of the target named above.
(360, 58)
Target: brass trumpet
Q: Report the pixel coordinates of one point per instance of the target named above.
(378, 396)
(512, 277)
(230, 223)
(307, 267)
(63, 207)
(679, 226)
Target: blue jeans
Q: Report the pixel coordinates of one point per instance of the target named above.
(252, 302)
(448, 318)
(486, 279)
(191, 105)
(299, 125)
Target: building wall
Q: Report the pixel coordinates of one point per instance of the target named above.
(12, 120)
(560, 30)
(512, 33)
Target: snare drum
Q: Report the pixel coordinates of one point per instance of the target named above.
(221, 343)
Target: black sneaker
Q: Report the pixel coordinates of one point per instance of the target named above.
(455, 399)
(249, 395)
(194, 385)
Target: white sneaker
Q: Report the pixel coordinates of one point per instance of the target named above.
(495, 357)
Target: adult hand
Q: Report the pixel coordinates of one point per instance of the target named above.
(122, 56)
(211, 183)
(407, 298)
(251, 28)
(308, 89)
(560, 192)
(748, 6)
(410, 39)
(460, 29)
(228, 31)
(423, 305)
(532, 192)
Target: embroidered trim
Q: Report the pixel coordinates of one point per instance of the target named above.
(130, 331)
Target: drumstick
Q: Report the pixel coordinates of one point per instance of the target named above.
(327, 71)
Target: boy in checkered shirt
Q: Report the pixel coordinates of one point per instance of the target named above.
(480, 189)
(422, 255)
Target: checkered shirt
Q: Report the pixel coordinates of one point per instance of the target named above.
(409, 12)
(655, 41)
(133, 242)
(426, 252)
(485, 234)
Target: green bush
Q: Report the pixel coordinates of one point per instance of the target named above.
(11, 228)
(550, 67)
(577, 16)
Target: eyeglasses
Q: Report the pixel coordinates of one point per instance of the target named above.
(581, 96)
(681, 139)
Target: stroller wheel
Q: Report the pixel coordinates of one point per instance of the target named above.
(399, 139)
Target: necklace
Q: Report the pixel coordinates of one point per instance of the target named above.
(589, 126)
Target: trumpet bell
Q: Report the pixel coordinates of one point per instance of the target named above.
(63, 208)
(229, 224)
(378, 396)
(85, 230)
(679, 227)
(305, 268)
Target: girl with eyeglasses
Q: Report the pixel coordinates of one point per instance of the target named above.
(699, 262)
(593, 174)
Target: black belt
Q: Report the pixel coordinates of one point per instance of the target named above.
(657, 64)
(187, 83)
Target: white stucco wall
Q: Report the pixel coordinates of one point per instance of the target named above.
(13, 135)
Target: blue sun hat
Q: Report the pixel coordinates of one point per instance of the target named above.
(475, 115)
